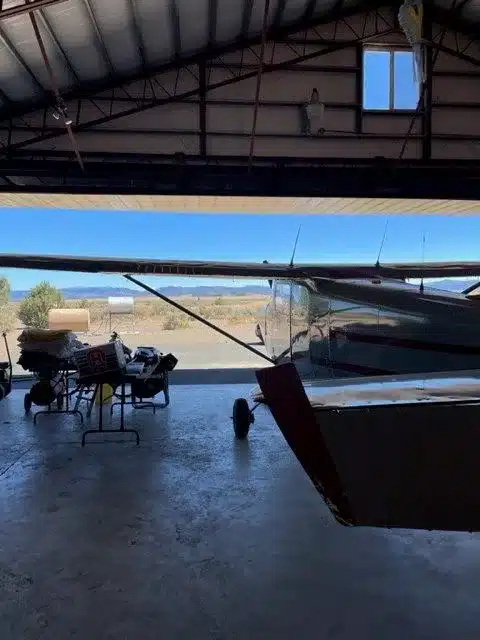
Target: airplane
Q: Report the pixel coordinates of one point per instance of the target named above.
(336, 328)
(331, 320)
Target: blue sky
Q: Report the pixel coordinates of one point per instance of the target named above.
(228, 237)
(376, 86)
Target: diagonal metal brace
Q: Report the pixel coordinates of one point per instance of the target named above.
(180, 307)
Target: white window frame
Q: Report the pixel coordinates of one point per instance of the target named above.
(392, 50)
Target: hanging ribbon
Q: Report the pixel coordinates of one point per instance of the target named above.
(410, 18)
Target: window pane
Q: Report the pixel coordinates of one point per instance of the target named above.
(405, 87)
(376, 79)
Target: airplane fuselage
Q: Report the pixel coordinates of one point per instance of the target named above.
(334, 328)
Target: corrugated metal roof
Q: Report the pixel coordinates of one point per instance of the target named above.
(91, 42)
(252, 206)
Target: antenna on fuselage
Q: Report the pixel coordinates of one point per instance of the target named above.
(377, 264)
(295, 245)
(423, 261)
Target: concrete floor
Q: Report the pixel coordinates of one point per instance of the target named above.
(193, 535)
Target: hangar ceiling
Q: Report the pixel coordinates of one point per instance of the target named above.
(139, 99)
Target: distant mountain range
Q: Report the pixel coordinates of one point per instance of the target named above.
(76, 293)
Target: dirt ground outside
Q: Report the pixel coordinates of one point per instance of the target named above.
(156, 324)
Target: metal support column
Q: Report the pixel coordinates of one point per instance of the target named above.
(202, 74)
(427, 100)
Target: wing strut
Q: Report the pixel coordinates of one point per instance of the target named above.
(171, 302)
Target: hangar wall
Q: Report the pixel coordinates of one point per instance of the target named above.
(329, 58)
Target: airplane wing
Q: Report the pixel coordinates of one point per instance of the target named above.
(145, 266)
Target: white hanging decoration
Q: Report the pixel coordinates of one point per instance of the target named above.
(410, 19)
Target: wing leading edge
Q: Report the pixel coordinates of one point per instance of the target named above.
(187, 268)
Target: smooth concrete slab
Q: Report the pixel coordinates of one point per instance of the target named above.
(193, 535)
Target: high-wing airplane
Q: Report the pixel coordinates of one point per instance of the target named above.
(376, 326)
(331, 320)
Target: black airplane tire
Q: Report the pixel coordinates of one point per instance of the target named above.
(27, 403)
(242, 418)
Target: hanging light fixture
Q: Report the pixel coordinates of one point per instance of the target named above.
(315, 115)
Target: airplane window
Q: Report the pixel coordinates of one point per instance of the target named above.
(282, 297)
(299, 294)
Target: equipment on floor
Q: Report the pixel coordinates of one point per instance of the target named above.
(153, 378)
(106, 370)
(5, 372)
(48, 354)
(101, 360)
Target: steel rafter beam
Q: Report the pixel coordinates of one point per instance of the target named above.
(54, 87)
(92, 88)
(352, 179)
(174, 92)
(453, 20)
(459, 51)
(128, 162)
(33, 5)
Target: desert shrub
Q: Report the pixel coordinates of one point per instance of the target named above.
(8, 317)
(4, 291)
(7, 310)
(35, 306)
(174, 321)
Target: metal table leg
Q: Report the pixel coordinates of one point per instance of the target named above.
(100, 420)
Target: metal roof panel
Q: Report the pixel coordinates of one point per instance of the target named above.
(75, 33)
(16, 83)
(155, 25)
(20, 33)
(229, 22)
(100, 43)
(294, 10)
(470, 11)
(256, 18)
(193, 18)
(116, 34)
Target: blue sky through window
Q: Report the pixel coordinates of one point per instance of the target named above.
(378, 83)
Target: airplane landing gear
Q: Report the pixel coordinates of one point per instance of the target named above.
(242, 418)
